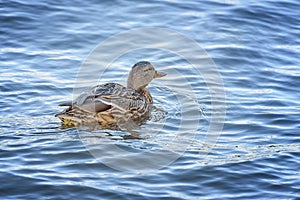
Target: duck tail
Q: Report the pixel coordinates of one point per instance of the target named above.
(74, 116)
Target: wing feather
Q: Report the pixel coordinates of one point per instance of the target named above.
(110, 95)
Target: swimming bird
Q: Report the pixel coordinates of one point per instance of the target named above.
(112, 105)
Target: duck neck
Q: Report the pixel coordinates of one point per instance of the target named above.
(146, 94)
(131, 82)
(131, 85)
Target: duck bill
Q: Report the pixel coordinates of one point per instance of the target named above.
(159, 75)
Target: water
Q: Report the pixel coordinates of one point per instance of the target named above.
(255, 46)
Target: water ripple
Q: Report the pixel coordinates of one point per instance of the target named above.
(255, 46)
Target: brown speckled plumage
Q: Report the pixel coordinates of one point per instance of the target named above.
(112, 105)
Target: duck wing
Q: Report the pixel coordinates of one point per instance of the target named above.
(110, 95)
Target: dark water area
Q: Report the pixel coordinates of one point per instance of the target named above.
(255, 46)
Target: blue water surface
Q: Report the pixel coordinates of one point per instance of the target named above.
(256, 48)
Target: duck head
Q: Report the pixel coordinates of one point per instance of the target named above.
(141, 74)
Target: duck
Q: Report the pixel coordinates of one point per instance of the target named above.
(112, 105)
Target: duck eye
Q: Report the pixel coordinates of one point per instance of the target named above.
(148, 69)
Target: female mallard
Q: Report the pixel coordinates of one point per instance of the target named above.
(111, 105)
